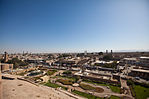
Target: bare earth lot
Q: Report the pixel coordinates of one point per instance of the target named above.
(17, 89)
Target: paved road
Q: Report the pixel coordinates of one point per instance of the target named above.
(124, 85)
(106, 92)
(103, 94)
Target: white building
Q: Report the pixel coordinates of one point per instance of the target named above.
(144, 61)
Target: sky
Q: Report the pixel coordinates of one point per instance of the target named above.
(74, 25)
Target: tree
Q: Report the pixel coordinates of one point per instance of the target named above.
(107, 57)
(16, 65)
(100, 53)
(108, 65)
(67, 72)
(2, 60)
(80, 54)
(130, 82)
(16, 62)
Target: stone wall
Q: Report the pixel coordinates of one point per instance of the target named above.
(6, 67)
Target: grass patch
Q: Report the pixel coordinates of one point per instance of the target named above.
(54, 77)
(89, 96)
(141, 92)
(71, 78)
(83, 94)
(112, 87)
(115, 89)
(36, 78)
(114, 97)
(22, 73)
(53, 85)
(51, 72)
(88, 87)
(65, 81)
(132, 91)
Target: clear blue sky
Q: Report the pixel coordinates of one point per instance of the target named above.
(73, 25)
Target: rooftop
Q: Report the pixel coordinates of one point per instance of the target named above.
(141, 70)
(145, 57)
(130, 58)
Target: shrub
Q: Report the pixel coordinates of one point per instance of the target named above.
(67, 72)
(88, 87)
(51, 72)
(130, 82)
(89, 96)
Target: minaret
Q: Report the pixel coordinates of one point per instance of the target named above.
(111, 52)
(6, 57)
(106, 51)
(85, 52)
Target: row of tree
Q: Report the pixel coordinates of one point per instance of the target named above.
(108, 65)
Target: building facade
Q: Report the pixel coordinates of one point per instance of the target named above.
(6, 67)
(144, 74)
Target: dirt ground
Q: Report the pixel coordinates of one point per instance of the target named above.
(17, 89)
(0, 90)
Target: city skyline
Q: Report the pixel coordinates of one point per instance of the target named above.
(74, 25)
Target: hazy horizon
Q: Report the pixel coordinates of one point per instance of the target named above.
(57, 26)
(81, 51)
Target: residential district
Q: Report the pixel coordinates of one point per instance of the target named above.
(97, 75)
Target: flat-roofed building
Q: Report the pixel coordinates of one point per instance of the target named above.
(144, 74)
(131, 61)
(6, 67)
(102, 62)
(144, 61)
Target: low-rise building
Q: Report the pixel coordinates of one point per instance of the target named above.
(6, 67)
(100, 63)
(131, 61)
(144, 61)
(144, 74)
